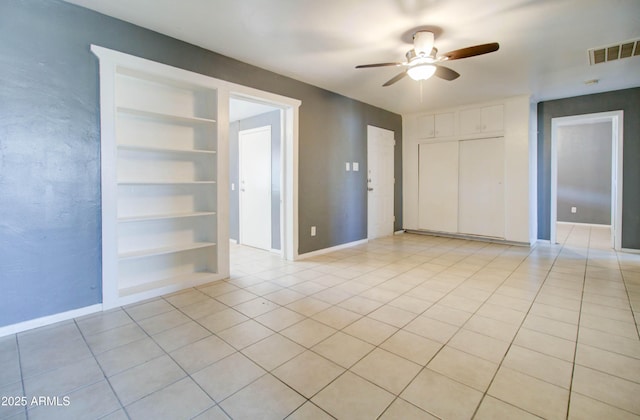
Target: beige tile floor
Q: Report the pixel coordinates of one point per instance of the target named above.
(405, 327)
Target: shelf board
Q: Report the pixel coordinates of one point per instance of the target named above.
(135, 148)
(166, 182)
(171, 281)
(164, 250)
(161, 116)
(165, 216)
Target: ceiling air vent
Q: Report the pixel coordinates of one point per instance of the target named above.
(614, 52)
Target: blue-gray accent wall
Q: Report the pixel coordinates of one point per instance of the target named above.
(584, 173)
(627, 100)
(50, 240)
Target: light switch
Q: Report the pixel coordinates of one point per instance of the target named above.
(574, 210)
(233, 186)
(356, 166)
(348, 166)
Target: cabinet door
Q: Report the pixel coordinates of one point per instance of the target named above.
(481, 187)
(444, 125)
(438, 187)
(492, 118)
(426, 126)
(470, 121)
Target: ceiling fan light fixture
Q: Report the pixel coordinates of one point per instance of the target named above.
(421, 71)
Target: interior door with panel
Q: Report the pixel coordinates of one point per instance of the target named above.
(481, 187)
(255, 187)
(380, 180)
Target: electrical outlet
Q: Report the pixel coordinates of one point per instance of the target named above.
(574, 210)
(313, 231)
(355, 166)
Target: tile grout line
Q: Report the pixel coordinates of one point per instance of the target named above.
(485, 393)
(575, 349)
(122, 407)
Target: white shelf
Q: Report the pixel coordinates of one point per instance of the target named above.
(135, 148)
(166, 183)
(152, 252)
(165, 216)
(186, 279)
(162, 214)
(164, 117)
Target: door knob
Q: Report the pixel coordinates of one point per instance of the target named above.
(369, 189)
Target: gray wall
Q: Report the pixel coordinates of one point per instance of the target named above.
(273, 119)
(50, 240)
(627, 100)
(584, 173)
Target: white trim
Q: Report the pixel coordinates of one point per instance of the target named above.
(616, 119)
(399, 232)
(629, 250)
(48, 320)
(333, 248)
(583, 224)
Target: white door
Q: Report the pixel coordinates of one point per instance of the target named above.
(255, 187)
(481, 187)
(380, 180)
(438, 187)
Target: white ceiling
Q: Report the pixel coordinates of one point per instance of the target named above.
(543, 43)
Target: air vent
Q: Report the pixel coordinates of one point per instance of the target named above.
(614, 52)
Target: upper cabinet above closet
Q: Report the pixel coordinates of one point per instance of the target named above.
(486, 119)
(436, 126)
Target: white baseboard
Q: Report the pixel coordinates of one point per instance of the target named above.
(630, 250)
(48, 320)
(584, 224)
(333, 248)
(398, 232)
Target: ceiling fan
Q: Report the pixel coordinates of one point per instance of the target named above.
(423, 60)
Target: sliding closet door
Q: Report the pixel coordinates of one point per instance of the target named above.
(438, 187)
(481, 187)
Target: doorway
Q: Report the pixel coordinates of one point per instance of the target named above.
(255, 102)
(380, 180)
(587, 141)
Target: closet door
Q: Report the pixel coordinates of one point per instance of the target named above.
(481, 187)
(438, 187)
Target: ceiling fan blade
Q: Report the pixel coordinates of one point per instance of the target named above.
(446, 73)
(395, 79)
(472, 51)
(366, 66)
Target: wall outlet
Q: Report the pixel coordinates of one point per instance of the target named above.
(574, 209)
(313, 231)
(355, 166)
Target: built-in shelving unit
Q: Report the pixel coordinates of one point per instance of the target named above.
(161, 204)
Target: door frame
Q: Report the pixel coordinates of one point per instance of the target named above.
(369, 129)
(240, 186)
(289, 119)
(616, 119)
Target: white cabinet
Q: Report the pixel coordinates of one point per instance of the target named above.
(438, 125)
(481, 120)
(161, 217)
(478, 181)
